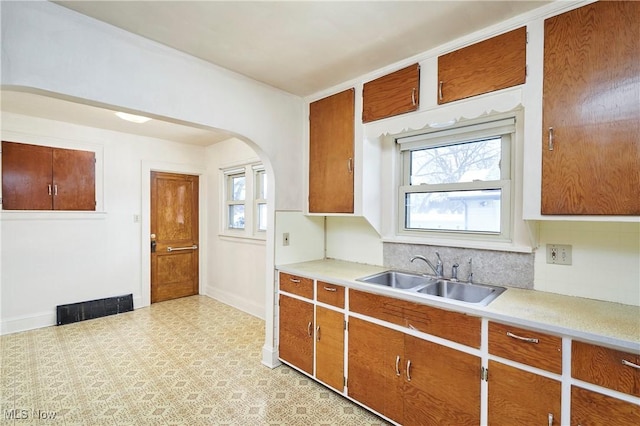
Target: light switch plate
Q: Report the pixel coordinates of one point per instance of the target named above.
(559, 254)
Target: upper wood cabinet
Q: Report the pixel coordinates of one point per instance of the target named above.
(44, 178)
(591, 108)
(331, 148)
(392, 94)
(493, 64)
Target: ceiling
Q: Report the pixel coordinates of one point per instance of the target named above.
(301, 47)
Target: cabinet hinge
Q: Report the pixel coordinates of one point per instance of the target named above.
(344, 381)
(484, 374)
(527, 37)
(346, 325)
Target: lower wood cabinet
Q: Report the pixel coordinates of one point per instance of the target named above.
(330, 347)
(296, 332)
(521, 397)
(590, 408)
(410, 380)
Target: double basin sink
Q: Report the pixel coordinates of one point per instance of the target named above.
(475, 294)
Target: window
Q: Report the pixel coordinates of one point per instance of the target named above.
(457, 181)
(245, 201)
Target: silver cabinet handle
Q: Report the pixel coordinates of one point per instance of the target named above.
(413, 97)
(350, 165)
(440, 90)
(55, 189)
(550, 419)
(408, 370)
(309, 332)
(524, 339)
(193, 247)
(294, 280)
(330, 289)
(398, 365)
(630, 364)
(550, 138)
(318, 333)
(49, 187)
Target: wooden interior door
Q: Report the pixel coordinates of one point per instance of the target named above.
(174, 236)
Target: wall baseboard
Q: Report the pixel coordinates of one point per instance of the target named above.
(235, 301)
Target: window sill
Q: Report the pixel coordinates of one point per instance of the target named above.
(461, 243)
(242, 238)
(51, 215)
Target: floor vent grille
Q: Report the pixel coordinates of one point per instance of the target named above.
(75, 312)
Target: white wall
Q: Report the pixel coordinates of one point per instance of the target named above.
(57, 258)
(237, 266)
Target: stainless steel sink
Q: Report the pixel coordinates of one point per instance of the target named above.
(464, 292)
(475, 294)
(400, 280)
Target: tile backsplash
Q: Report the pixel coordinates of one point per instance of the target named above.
(507, 269)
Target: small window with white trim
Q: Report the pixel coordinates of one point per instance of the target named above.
(456, 182)
(244, 198)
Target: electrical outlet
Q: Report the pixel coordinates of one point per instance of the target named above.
(559, 254)
(285, 239)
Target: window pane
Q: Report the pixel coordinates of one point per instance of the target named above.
(465, 162)
(261, 178)
(236, 216)
(237, 188)
(262, 217)
(454, 211)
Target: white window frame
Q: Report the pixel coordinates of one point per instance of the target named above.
(465, 132)
(258, 170)
(250, 172)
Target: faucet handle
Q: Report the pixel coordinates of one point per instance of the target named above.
(454, 272)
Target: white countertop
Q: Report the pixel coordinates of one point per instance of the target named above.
(611, 324)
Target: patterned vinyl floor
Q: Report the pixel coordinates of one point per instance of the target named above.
(190, 361)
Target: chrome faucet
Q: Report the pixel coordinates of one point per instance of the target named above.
(454, 272)
(470, 277)
(438, 268)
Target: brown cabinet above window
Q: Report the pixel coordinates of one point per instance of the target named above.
(392, 94)
(492, 64)
(44, 178)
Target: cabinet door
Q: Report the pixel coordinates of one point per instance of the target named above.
(296, 333)
(331, 139)
(493, 64)
(591, 105)
(74, 184)
(392, 94)
(594, 409)
(375, 367)
(520, 397)
(442, 385)
(330, 347)
(26, 177)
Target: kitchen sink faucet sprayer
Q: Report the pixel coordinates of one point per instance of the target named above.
(438, 268)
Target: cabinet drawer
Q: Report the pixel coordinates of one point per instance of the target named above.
(330, 294)
(296, 285)
(526, 346)
(606, 367)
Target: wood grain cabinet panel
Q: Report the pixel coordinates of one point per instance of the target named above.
(375, 378)
(45, 178)
(454, 326)
(590, 408)
(296, 333)
(518, 397)
(297, 285)
(606, 367)
(331, 150)
(330, 347)
(392, 94)
(591, 105)
(493, 64)
(529, 347)
(376, 306)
